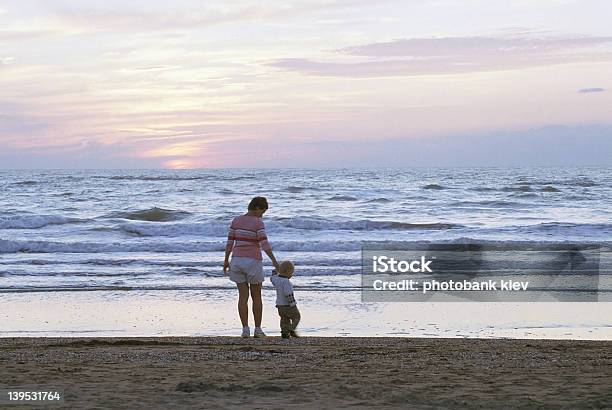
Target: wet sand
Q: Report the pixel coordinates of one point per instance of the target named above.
(213, 372)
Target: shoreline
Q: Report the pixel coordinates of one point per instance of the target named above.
(213, 313)
(312, 371)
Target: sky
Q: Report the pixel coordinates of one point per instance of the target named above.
(324, 83)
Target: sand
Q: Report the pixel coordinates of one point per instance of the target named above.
(213, 372)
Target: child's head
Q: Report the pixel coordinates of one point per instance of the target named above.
(285, 268)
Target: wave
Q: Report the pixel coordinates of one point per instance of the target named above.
(360, 225)
(151, 178)
(483, 189)
(36, 221)
(582, 183)
(144, 262)
(25, 183)
(381, 200)
(296, 189)
(588, 232)
(219, 228)
(154, 214)
(520, 188)
(576, 182)
(434, 186)
(51, 247)
(525, 195)
(342, 198)
(239, 178)
(587, 227)
(157, 272)
(491, 202)
(93, 262)
(176, 229)
(23, 246)
(547, 186)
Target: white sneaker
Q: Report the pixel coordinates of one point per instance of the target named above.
(246, 332)
(259, 332)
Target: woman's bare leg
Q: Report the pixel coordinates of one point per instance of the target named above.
(243, 307)
(257, 305)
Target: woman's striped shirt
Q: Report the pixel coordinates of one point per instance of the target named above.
(247, 236)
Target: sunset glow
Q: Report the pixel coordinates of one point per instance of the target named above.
(143, 84)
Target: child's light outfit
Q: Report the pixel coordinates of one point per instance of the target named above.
(285, 303)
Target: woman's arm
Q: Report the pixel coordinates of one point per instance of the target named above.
(262, 237)
(231, 237)
(271, 256)
(226, 263)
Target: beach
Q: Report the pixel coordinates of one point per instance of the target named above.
(112, 290)
(314, 372)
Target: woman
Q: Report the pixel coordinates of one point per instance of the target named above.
(246, 238)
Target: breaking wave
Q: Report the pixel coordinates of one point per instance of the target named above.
(35, 221)
(434, 187)
(154, 214)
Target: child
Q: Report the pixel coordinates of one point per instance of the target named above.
(285, 302)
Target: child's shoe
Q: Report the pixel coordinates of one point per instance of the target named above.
(246, 332)
(259, 332)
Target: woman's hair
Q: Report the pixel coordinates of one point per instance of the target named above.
(259, 202)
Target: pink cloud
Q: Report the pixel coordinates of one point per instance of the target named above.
(453, 55)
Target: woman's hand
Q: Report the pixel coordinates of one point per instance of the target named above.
(226, 266)
(272, 258)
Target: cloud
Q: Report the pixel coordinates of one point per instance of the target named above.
(591, 90)
(452, 55)
(474, 46)
(24, 34)
(18, 126)
(86, 155)
(95, 20)
(73, 19)
(150, 18)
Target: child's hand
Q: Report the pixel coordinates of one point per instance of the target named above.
(225, 267)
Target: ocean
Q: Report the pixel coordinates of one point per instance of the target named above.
(112, 232)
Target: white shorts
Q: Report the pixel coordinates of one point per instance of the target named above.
(243, 269)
